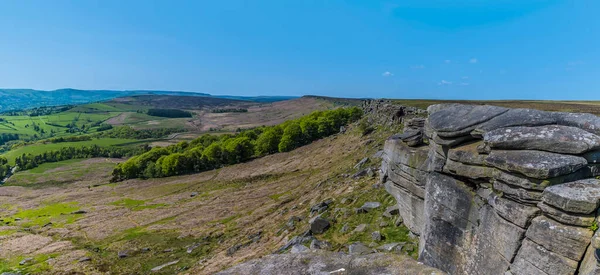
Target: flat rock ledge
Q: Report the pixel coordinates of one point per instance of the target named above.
(326, 263)
(494, 190)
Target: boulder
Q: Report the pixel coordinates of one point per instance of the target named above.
(361, 163)
(551, 138)
(391, 211)
(535, 164)
(319, 225)
(317, 244)
(389, 247)
(459, 120)
(535, 259)
(359, 249)
(517, 193)
(376, 236)
(516, 117)
(582, 196)
(360, 228)
(567, 218)
(565, 240)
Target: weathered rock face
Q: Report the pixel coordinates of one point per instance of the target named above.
(386, 113)
(500, 190)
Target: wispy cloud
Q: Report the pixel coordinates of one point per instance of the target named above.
(417, 67)
(464, 84)
(387, 74)
(444, 83)
(473, 60)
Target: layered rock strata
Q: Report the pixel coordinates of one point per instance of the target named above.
(498, 190)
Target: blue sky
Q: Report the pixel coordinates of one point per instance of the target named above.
(465, 49)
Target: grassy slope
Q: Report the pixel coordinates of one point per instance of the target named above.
(232, 204)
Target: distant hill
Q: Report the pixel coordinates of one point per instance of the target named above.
(19, 99)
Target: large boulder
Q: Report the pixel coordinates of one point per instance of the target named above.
(516, 117)
(551, 138)
(535, 259)
(459, 120)
(565, 240)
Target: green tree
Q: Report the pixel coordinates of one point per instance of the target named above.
(291, 138)
(268, 141)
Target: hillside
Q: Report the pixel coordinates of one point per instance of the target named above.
(19, 99)
(222, 217)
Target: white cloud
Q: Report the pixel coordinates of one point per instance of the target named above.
(473, 60)
(417, 67)
(386, 74)
(447, 61)
(464, 84)
(444, 83)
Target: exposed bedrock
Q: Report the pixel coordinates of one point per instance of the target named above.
(500, 191)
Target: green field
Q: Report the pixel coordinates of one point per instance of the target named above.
(41, 148)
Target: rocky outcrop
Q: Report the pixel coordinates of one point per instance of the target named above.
(499, 191)
(387, 113)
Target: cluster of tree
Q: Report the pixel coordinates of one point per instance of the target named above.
(68, 139)
(30, 161)
(214, 151)
(103, 127)
(44, 111)
(4, 138)
(130, 133)
(229, 110)
(171, 113)
(4, 168)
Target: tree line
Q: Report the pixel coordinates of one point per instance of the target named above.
(4, 138)
(171, 113)
(214, 151)
(229, 110)
(127, 132)
(4, 168)
(30, 161)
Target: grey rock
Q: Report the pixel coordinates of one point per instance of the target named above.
(411, 207)
(535, 259)
(551, 138)
(378, 154)
(321, 206)
(567, 218)
(467, 154)
(360, 228)
(412, 138)
(193, 194)
(323, 263)
(298, 248)
(588, 122)
(391, 211)
(359, 249)
(319, 225)
(344, 228)
(517, 193)
(389, 247)
(596, 239)
(459, 120)
(371, 205)
(535, 164)
(399, 220)
(376, 236)
(317, 244)
(516, 117)
(292, 221)
(589, 265)
(567, 241)
(160, 267)
(451, 142)
(25, 261)
(581, 196)
(123, 254)
(514, 212)
(191, 248)
(361, 163)
(383, 224)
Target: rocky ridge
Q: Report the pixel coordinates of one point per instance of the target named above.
(493, 190)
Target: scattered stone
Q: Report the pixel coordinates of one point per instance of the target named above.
(383, 224)
(193, 194)
(319, 225)
(391, 211)
(362, 162)
(344, 229)
(360, 173)
(158, 268)
(359, 249)
(320, 207)
(192, 247)
(146, 249)
(256, 236)
(84, 259)
(123, 254)
(79, 212)
(46, 225)
(581, 196)
(376, 236)
(342, 129)
(233, 249)
(389, 247)
(25, 261)
(367, 206)
(316, 244)
(360, 228)
(298, 248)
(167, 250)
(399, 220)
(345, 200)
(291, 224)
